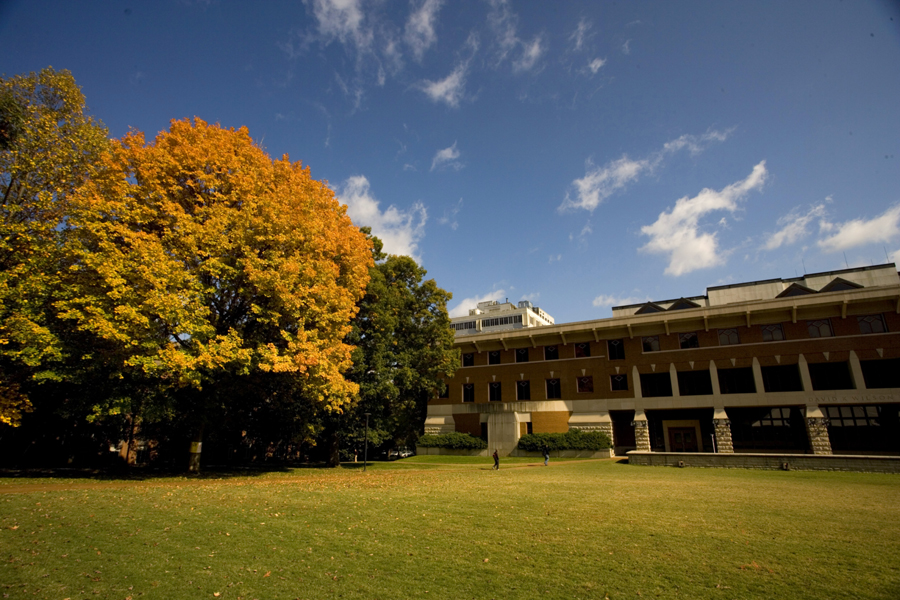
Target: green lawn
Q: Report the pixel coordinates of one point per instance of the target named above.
(455, 529)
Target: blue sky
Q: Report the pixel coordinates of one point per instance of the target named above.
(577, 154)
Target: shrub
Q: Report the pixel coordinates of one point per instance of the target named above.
(452, 441)
(574, 439)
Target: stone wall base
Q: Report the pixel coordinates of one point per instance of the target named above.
(449, 452)
(772, 462)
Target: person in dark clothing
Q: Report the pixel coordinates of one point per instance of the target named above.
(496, 461)
(545, 450)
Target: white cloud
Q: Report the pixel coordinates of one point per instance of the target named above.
(419, 32)
(504, 24)
(532, 297)
(793, 227)
(448, 90)
(596, 64)
(449, 217)
(462, 309)
(580, 34)
(859, 232)
(599, 183)
(677, 232)
(446, 158)
(531, 53)
(626, 47)
(400, 230)
(554, 258)
(342, 20)
(604, 300)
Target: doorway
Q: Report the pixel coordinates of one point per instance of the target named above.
(682, 439)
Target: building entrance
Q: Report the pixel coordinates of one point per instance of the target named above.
(682, 439)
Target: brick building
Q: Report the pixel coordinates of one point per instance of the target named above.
(802, 365)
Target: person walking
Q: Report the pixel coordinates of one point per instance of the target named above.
(545, 449)
(496, 461)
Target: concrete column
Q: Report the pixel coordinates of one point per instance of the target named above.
(757, 377)
(641, 431)
(859, 382)
(714, 375)
(722, 426)
(503, 432)
(817, 430)
(804, 375)
(673, 376)
(636, 382)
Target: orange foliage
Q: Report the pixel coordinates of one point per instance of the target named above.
(197, 254)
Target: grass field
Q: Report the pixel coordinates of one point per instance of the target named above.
(441, 527)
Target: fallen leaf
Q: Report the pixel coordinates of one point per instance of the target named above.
(267, 573)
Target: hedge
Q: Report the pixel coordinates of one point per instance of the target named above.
(574, 439)
(452, 441)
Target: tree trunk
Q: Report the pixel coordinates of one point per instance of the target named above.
(333, 449)
(196, 448)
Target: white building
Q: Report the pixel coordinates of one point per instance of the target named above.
(498, 316)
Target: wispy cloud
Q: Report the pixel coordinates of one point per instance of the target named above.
(580, 35)
(342, 20)
(677, 232)
(604, 300)
(504, 23)
(626, 47)
(400, 230)
(793, 227)
(419, 33)
(599, 183)
(449, 217)
(595, 65)
(447, 159)
(449, 90)
(466, 304)
(859, 232)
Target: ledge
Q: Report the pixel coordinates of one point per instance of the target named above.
(772, 462)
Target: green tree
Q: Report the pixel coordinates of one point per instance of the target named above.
(199, 263)
(48, 147)
(404, 351)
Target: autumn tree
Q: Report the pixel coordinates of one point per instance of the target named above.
(199, 262)
(48, 146)
(403, 352)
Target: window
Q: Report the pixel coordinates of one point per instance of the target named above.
(494, 391)
(737, 381)
(772, 333)
(729, 337)
(616, 349)
(523, 390)
(881, 374)
(820, 328)
(521, 355)
(694, 383)
(688, 340)
(872, 324)
(656, 384)
(782, 378)
(497, 321)
(650, 343)
(468, 359)
(618, 383)
(777, 417)
(585, 385)
(554, 390)
(463, 326)
(831, 376)
(468, 392)
(444, 391)
(494, 357)
(551, 353)
(853, 416)
(583, 350)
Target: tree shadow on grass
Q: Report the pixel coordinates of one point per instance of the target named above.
(120, 473)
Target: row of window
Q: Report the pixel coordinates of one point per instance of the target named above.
(727, 337)
(878, 374)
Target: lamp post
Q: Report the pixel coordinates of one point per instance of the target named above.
(366, 447)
